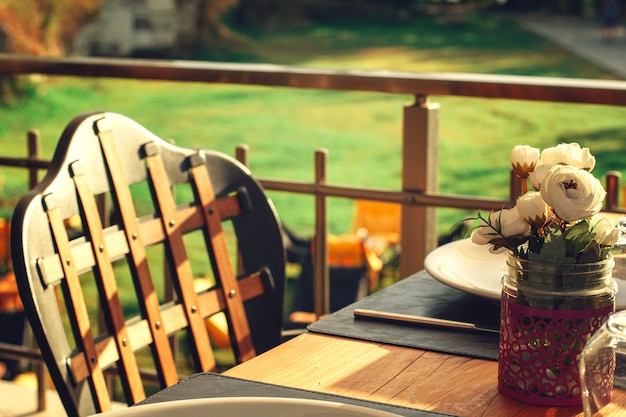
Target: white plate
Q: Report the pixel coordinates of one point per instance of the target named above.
(248, 407)
(471, 268)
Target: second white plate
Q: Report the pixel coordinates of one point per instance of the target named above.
(471, 268)
(247, 407)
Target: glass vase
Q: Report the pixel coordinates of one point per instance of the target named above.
(548, 312)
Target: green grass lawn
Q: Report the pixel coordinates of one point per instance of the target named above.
(362, 131)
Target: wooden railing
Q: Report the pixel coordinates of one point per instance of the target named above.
(418, 194)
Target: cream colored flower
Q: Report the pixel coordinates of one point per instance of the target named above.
(533, 209)
(607, 233)
(523, 159)
(568, 154)
(563, 154)
(574, 194)
(503, 223)
(536, 177)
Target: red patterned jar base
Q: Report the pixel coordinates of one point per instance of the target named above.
(539, 349)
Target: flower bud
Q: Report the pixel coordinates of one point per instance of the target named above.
(523, 159)
(536, 177)
(503, 223)
(607, 233)
(533, 209)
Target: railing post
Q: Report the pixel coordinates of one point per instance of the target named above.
(241, 153)
(515, 187)
(321, 278)
(612, 179)
(419, 175)
(33, 151)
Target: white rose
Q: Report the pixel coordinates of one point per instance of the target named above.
(563, 154)
(523, 159)
(533, 209)
(504, 223)
(607, 233)
(582, 159)
(568, 154)
(536, 177)
(573, 193)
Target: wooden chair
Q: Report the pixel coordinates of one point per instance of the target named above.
(69, 257)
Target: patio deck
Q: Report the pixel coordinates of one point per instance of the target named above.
(20, 399)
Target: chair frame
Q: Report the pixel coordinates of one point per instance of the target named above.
(103, 154)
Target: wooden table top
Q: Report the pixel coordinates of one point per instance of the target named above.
(392, 374)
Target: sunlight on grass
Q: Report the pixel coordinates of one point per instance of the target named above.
(361, 131)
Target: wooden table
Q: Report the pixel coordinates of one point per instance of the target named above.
(393, 374)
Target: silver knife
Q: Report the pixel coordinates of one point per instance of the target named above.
(407, 318)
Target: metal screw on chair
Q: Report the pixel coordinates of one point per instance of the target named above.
(232, 293)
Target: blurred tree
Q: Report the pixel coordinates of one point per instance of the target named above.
(44, 27)
(39, 27)
(212, 24)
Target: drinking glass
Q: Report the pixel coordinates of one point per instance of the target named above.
(602, 367)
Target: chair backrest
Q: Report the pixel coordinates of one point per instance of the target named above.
(202, 213)
(377, 218)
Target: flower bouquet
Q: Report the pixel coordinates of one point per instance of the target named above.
(558, 222)
(559, 287)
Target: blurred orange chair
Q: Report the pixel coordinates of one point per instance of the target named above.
(345, 251)
(351, 256)
(377, 224)
(347, 264)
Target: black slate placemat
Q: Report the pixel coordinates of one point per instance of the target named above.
(422, 295)
(211, 385)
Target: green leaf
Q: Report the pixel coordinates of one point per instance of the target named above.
(553, 251)
(580, 241)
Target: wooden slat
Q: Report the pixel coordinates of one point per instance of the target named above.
(216, 244)
(211, 302)
(76, 307)
(150, 230)
(147, 298)
(110, 300)
(183, 274)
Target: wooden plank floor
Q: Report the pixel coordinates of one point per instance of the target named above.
(21, 400)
